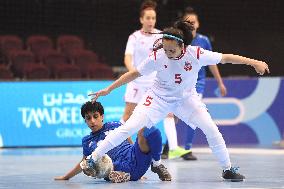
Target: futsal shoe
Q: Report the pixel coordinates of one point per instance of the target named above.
(178, 152)
(162, 172)
(189, 156)
(118, 176)
(232, 175)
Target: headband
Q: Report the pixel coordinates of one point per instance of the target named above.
(173, 37)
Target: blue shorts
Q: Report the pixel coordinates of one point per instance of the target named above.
(135, 162)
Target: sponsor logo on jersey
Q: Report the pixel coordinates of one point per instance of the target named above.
(90, 144)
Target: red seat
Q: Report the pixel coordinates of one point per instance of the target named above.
(10, 43)
(59, 66)
(5, 73)
(69, 43)
(39, 44)
(24, 66)
(90, 65)
(102, 72)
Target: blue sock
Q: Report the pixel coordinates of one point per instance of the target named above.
(189, 138)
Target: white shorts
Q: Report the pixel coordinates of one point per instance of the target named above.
(134, 92)
(157, 108)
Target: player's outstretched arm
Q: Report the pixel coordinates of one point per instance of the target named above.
(215, 72)
(73, 172)
(259, 66)
(125, 78)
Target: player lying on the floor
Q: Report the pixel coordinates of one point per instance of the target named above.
(130, 161)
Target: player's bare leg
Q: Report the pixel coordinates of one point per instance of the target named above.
(143, 145)
(129, 107)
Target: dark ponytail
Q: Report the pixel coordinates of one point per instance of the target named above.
(186, 28)
(182, 30)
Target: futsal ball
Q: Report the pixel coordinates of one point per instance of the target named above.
(103, 166)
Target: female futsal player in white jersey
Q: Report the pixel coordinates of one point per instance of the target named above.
(139, 46)
(177, 66)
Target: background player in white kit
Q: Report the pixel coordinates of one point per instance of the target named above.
(177, 66)
(138, 48)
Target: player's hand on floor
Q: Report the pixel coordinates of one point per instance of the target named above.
(60, 178)
(143, 178)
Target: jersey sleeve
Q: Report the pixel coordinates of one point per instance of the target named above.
(112, 125)
(206, 57)
(149, 65)
(86, 149)
(89, 145)
(130, 45)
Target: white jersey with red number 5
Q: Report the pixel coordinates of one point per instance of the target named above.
(176, 75)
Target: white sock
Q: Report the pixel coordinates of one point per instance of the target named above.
(156, 163)
(218, 147)
(171, 132)
(202, 119)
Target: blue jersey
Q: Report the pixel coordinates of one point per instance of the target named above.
(118, 154)
(126, 157)
(203, 42)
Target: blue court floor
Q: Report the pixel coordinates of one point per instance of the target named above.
(36, 168)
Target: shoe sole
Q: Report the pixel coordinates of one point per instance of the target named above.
(118, 177)
(181, 156)
(164, 156)
(188, 159)
(233, 180)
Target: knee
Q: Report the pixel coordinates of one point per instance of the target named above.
(202, 119)
(143, 145)
(214, 136)
(141, 132)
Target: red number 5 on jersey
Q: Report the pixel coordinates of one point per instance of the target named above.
(148, 101)
(178, 78)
